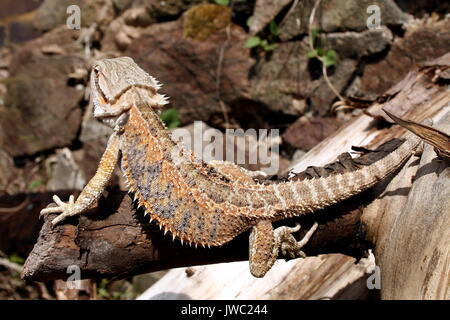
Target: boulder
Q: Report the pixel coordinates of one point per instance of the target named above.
(338, 16)
(188, 67)
(41, 110)
(283, 80)
(421, 42)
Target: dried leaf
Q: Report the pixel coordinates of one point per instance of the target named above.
(438, 139)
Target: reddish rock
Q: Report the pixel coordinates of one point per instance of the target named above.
(305, 133)
(22, 31)
(339, 15)
(285, 76)
(2, 35)
(420, 43)
(10, 8)
(188, 67)
(41, 110)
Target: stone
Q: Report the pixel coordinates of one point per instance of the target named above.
(285, 76)
(306, 133)
(2, 35)
(41, 111)
(22, 31)
(352, 44)
(338, 16)
(10, 8)
(421, 42)
(264, 12)
(6, 169)
(188, 67)
(164, 9)
(201, 21)
(53, 13)
(63, 172)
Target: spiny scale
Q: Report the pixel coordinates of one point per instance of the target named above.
(195, 205)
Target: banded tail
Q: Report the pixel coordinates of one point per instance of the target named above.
(309, 195)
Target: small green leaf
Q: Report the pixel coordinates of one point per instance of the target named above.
(314, 34)
(330, 58)
(16, 259)
(171, 118)
(34, 184)
(252, 42)
(269, 47)
(222, 2)
(312, 54)
(249, 21)
(274, 29)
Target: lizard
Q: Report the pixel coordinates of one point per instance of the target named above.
(192, 199)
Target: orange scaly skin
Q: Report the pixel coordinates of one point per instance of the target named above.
(193, 200)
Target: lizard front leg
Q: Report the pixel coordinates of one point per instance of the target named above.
(93, 190)
(265, 244)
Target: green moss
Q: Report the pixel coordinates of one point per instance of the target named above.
(201, 21)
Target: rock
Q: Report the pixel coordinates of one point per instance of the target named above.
(121, 5)
(6, 169)
(63, 171)
(245, 148)
(2, 35)
(41, 111)
(265, 11)
(339, 15)
(188, 67)
(164, 9)
(284, 78)
(357, 44)
(21, 32)
(53, 13)
(421, 42)
(94, 136)
(10, 8)
(419, 8)
(200, 22)
(305, 133)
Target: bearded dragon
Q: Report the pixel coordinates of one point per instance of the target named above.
(195, 201)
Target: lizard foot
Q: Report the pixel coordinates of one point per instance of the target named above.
(288, 244)
(64, 208)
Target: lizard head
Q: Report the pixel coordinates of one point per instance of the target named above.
(117, 85)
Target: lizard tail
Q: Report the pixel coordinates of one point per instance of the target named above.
(310, 195)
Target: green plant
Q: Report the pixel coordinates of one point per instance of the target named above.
(327, 57)
(222, 2)
(171, 118)
(16, 259)
(265, 44)
(34, 184)
(101, 288)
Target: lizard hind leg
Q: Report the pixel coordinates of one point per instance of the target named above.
(263, 250)
(288, 244)
(265, 244)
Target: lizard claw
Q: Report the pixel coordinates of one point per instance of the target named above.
(288, 244)
(64, 208)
